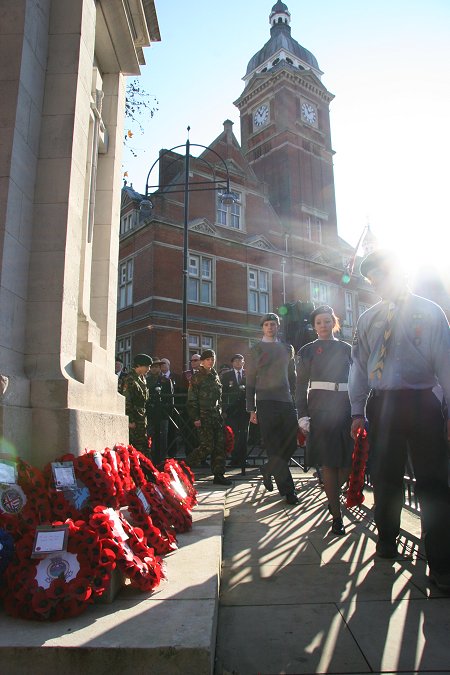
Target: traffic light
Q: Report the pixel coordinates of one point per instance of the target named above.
(297, 329)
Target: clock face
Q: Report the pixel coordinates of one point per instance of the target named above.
(309, 113)
(261, 115)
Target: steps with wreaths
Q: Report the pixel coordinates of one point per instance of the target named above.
(169, 631)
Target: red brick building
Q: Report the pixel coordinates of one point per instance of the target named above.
(277, 244)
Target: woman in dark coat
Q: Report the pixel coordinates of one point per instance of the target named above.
(324, 408)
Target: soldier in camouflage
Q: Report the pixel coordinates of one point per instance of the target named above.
(205, 410)
(135, 391)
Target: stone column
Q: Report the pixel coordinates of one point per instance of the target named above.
(67, 326)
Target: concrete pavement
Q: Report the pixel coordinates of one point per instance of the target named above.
(297, 599)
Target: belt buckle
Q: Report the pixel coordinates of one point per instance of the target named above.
(336, 386)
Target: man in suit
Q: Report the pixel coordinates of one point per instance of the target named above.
(187, 374)
(235, 413)
(159, 408)
(174, 423)
(121, 373)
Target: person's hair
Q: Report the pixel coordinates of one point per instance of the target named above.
(326, 309)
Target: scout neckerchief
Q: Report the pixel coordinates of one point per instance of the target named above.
(377, 371)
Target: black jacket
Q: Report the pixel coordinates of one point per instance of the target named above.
(233, 395)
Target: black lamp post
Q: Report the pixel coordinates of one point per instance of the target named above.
(227, 198)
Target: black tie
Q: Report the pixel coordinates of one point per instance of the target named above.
(239, 377)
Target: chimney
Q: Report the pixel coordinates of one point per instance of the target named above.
(228, 129)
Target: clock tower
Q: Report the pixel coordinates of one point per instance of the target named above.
(285, 133)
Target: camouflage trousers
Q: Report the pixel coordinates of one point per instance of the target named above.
(138, 438)
(212, 442)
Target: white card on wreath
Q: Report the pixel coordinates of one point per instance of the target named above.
(144, 502)
(49, 539)
(118, 527)
(64, 475)
(8, 472)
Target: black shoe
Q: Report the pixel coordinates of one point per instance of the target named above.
(292, 499)
(337, 527)
(267, 480)
(219, 479)
(386, 550)
(441, 580)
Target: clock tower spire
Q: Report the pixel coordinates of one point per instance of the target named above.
(285, 132)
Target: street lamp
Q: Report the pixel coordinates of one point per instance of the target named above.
(227, 198)
(283, 265)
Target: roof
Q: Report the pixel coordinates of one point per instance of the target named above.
(281, 39)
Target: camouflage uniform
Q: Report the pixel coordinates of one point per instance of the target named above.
(136, 396)
(205, 404)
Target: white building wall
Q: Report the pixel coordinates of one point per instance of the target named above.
(58, 285)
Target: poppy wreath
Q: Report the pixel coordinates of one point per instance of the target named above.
(178, 501)
(356, 479)
(175, 500)
(161, 540)
(93, 469)
(174, 469)
(134, 558)
(6, 554)
(124, 466)
(187, 470)
(62, 507)
(163, 515)
(94, 473)
(56, 587)
(229, 439)
(180, 511)
(142, 468)
(301, 439)
(116, 467)
(27, 507)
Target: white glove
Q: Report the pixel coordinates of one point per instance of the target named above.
(303, 424)
(3, 384)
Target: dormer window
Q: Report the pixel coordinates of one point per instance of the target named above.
(127, 222)
(274, 63)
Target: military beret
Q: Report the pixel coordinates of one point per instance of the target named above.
(379, 258)
(156, 361)
(270, 317)
(142, 360)
(207, 354)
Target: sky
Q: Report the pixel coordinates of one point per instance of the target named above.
(388, 65)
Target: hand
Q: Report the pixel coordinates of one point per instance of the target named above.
(197, 424)
(304, 424)
(132, 425)
(253, 418)
(357, 423)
